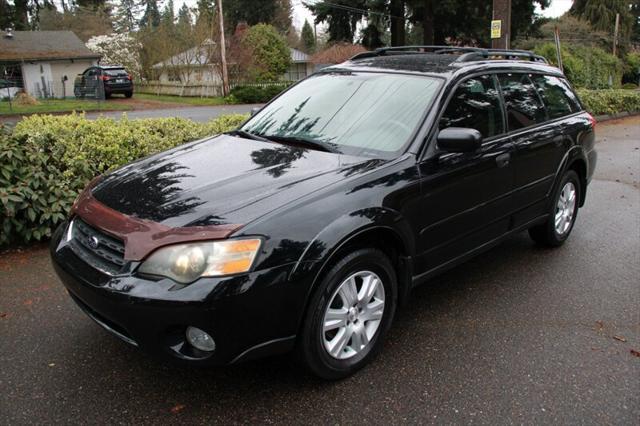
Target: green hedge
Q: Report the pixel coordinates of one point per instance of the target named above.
(612, 101)
(586, 67)
(47, 160)
(256, 94)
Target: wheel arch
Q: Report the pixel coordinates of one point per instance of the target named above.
(575, 160)
(380, 228)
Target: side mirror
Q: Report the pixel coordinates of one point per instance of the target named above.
(459, 139)
(255, 110)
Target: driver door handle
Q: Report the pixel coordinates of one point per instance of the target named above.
(503, 159)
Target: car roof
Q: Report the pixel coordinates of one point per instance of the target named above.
(110, 67)
(446, 61)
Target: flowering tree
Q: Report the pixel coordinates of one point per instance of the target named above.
(118, 49)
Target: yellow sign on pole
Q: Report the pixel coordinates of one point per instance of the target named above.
(496, 28)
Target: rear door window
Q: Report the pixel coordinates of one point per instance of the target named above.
(476, 105)
(523, 104)
(557, 96)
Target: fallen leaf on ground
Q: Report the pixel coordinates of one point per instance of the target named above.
(53, 364)
(3, 314)
(176, 409)
(635, 353)
(620, 338)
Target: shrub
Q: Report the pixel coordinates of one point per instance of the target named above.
(585, 67)
(47, 160)
(269, 52)
(630, 86)
(256, 94)
(599, 102)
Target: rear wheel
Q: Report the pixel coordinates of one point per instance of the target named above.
(349, 315)
(562, 215)
(78, 93)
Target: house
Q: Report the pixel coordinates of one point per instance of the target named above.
(44, 63)
(200, 65)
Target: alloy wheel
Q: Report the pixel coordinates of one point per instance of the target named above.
(565, 208)
(353, 315)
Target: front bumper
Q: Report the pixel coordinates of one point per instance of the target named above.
(248, 315)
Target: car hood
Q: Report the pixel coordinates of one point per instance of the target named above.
(222, 180)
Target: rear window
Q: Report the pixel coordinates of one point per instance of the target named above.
(115, 72)
(523, 104)
(556, 95)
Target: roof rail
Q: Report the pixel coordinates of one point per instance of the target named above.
(467, 54)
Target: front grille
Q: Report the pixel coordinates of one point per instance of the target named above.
(96, 248)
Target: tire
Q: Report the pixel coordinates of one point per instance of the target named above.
(361, 322)
(128, 94)
(547, 233)
(78, 93)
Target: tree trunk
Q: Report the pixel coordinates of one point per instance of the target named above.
(398, 37)
(427, 23)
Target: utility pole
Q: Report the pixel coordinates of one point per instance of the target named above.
(223, 53)
(615, 34)
(501, 24)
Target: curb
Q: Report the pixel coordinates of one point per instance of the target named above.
(608, 117)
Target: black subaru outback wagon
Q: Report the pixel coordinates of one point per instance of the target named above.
(307, 226)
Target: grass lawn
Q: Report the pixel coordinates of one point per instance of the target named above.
(61, 105)
(187, 100)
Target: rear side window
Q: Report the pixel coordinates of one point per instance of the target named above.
(476, 105)
(556, 95)
(523, 104)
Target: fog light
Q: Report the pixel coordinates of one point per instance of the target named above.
(200, 340)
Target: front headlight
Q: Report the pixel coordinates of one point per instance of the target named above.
(186, 263)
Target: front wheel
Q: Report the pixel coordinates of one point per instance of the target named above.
(349, 315)
(562, 214)
(128, 94)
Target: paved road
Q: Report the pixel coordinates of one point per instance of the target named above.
(518, 335)
(197, 113)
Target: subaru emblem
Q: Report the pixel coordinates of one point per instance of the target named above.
(94, 242)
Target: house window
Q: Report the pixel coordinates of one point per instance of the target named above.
(296, 72)
(173, 74)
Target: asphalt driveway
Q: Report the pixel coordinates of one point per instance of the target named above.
(518, 335)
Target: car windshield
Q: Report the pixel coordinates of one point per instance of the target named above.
(115, 72)
(368, 114)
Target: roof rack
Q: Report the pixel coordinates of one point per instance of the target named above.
(467, 54)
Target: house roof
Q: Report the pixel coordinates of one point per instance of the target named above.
(199, 56)
(43, 45)
(298, 56)
(195, 56)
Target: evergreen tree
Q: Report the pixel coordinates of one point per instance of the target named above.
(272, 12)
(6, 14)
(206, 11)
(308, 37)
(342, 17)
(151, 16)
(21, 11)
(168, 15)
(124, 19)
(184, 18)
(601, 14)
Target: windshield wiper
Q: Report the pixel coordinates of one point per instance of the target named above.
(248, 135)
(319, 145)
